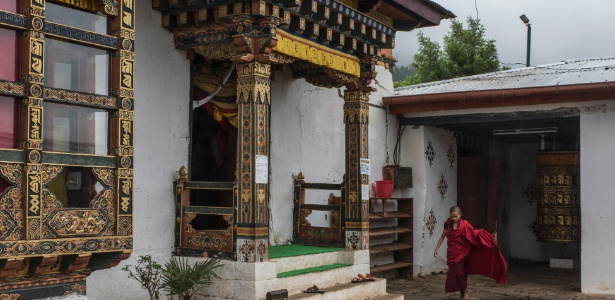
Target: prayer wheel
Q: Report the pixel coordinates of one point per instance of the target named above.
(559, 207)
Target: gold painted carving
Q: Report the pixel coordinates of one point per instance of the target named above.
(124, 226)
(217, 51)
(66, 246)
(109, 7)
(49, 172)
(12, 173)
(78, 222)
(559, 207)
(356, 107)
(12, 88)
(283, 58)
(315, 53)
(209, 83)
(34, 184)
(79, 98)
(188, 217)
(11, 198)
(125, 204)
(253, 83)
(105, 176)
(34, 228)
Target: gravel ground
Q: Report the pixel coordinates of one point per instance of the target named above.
(525, 282)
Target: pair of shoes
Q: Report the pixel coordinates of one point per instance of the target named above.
(361, 278)
(314, 290)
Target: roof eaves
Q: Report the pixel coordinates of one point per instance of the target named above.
(446, 14)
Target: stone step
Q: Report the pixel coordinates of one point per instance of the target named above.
(325, 279)
(389, 297)
(311, 270)
(355, 291)
(291, 263)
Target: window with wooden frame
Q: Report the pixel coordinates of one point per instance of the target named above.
(66, 138)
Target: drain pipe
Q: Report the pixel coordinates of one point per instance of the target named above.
(227, 75)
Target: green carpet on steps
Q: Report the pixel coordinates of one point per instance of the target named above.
(311, 270)
(297, 250)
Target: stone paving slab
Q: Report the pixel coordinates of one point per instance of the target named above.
(527, 282)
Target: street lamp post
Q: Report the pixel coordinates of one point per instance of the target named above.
(529, 38)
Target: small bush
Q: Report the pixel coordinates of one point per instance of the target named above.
(181, 279)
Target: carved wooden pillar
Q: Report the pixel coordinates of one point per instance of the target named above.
(253, 92)
(122, 121)
(356, 119)
(31, 111)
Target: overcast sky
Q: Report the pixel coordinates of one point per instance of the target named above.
(561, 29)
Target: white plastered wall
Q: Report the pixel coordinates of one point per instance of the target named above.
(307, 135)
(597, 202)
(425, 192)
(162, 95)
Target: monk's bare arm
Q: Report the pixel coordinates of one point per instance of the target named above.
(435, 253)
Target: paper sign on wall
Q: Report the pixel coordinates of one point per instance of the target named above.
(365, 166)
(262, 169)
(364, 192)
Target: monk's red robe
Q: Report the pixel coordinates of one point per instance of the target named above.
(473, 251)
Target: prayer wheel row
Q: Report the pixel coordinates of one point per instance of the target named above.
(559, 207)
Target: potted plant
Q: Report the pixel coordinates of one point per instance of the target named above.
(184, 280)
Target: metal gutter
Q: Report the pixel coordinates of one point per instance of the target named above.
(500, 98)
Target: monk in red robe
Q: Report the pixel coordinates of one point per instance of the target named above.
(470, 251)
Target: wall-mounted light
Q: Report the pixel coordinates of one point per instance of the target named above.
(525, 131)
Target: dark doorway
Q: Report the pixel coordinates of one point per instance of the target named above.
(214, 148)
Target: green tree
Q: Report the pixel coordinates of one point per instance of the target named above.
(402, 72)
(466, 51)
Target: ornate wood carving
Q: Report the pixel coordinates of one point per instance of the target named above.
(253, 97)
(80, 35)
(39, 239)
(251, 26)
(31, 110)
(74, 97)
(356, 119)
(122, 70)
(11, 88)
(559, 207)
(13, 20)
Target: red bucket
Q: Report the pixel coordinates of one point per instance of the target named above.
(384, 188)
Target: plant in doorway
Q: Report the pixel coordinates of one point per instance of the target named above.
(184, 280)
(148, 273)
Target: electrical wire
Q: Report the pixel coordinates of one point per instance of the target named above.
(397, 149)
(386, 134)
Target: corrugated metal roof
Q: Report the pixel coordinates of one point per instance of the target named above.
(575, 71)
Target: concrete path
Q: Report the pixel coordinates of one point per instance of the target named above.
(525, 282)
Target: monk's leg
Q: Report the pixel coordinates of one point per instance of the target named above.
(464, 281)
(456, 279)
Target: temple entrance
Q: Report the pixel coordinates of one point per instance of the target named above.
(213, 156)
(470, 189)
(518, 177)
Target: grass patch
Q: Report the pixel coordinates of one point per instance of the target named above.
(297, 250)
(311, 270)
